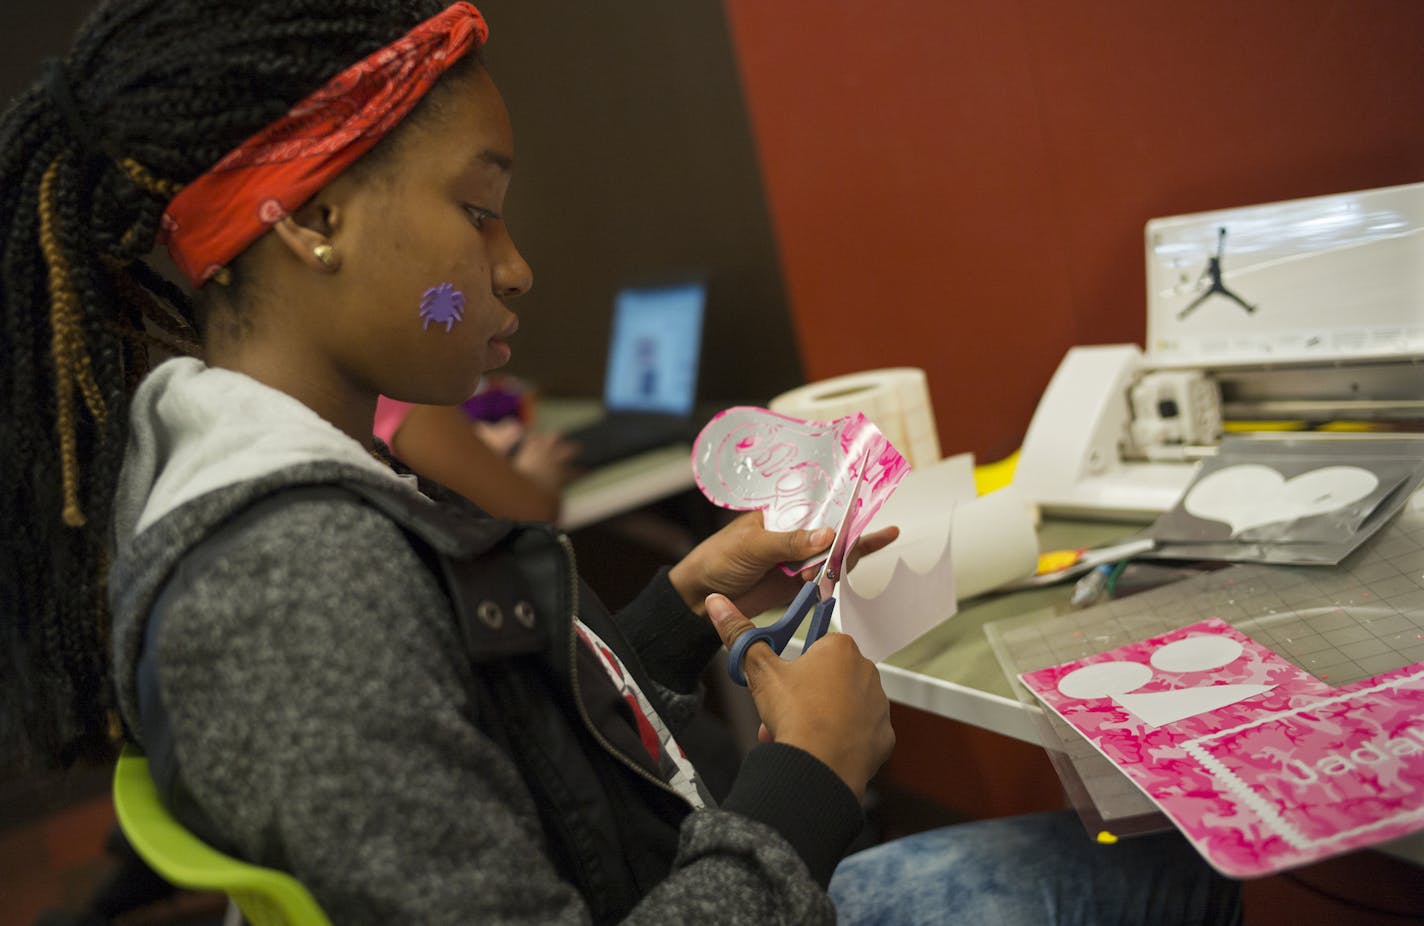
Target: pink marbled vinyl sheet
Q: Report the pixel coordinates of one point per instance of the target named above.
(797, 472)
(1280, 779)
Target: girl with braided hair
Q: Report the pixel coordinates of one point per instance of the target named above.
(83, 186)
(334, 669)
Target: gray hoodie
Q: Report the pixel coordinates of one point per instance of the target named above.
(319, 705)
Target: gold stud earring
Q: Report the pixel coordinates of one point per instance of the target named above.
(326, 254)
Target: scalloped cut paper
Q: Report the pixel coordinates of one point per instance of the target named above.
(798, 473)
(1263, 766)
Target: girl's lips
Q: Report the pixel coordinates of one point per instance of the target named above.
(500, 342)
(502, 351)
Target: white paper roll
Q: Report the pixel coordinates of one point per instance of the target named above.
(897, 400)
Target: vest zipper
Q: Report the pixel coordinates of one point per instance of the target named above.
(573, 670)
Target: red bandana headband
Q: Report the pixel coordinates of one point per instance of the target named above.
(275, 171)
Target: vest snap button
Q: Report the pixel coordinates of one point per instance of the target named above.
(524, 613)
(490, 614)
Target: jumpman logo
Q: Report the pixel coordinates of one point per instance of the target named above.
(1217, 288)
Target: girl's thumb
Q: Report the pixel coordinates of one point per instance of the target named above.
(730, 622)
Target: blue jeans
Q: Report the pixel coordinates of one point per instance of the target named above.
(1037, 870)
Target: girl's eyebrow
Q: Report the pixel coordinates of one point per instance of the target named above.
(490, 157)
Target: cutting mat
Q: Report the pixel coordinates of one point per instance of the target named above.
(1342, 624)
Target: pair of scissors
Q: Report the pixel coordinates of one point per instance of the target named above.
(816, 597)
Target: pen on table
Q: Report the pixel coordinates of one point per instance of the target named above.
(1097, 583)
(1090, 588)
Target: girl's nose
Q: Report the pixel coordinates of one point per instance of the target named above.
(512, 275)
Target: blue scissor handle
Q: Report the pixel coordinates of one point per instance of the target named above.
(820, 622)
(778, 634)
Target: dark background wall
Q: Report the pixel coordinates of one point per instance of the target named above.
(30, 31)
(961, 185)
(635, 164)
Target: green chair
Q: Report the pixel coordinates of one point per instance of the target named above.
(265, 897)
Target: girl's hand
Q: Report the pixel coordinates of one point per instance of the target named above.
(827, 701)
(742, 561)
(503, 435)
(546, 458)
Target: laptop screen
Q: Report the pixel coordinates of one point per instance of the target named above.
(656, 343)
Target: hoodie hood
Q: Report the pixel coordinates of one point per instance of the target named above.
(196, 429)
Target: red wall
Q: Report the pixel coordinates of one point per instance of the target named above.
(961, 185)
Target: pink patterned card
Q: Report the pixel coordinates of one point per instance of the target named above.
(798, 473)
(1262, 765)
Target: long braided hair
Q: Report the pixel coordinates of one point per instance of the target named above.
(152, 93)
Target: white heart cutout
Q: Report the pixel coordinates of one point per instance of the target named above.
(1250, 495)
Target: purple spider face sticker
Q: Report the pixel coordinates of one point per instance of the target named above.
(443, 303)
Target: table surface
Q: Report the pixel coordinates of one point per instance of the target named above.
(953, 672)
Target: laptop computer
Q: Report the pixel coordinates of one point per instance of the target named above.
(650, 386)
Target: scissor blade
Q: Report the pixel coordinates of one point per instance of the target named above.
(831, 569)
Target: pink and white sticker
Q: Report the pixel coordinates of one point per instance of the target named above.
(1263, 766)
(798, 473)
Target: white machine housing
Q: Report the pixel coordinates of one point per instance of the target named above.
(1306, 310)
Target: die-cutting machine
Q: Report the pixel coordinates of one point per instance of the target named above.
(1287, 315)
